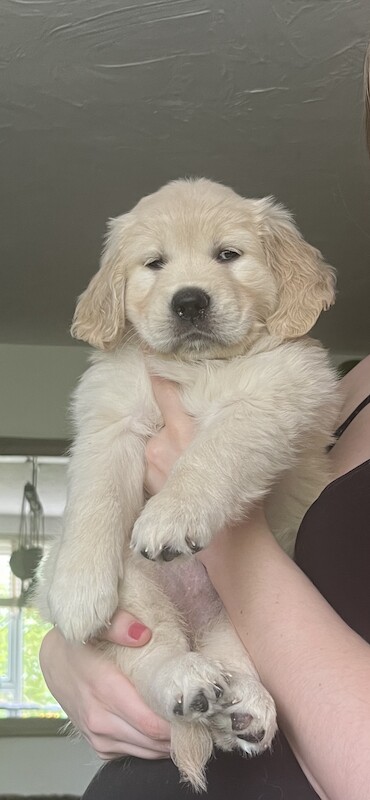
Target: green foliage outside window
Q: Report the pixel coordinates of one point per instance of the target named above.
(24, 683)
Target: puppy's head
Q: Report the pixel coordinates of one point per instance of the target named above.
(196, 268)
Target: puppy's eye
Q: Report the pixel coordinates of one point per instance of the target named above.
(155, 263)
(228, 255)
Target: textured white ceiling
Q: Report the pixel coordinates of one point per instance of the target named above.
(102, 101)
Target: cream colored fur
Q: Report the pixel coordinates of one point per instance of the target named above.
(264, 400)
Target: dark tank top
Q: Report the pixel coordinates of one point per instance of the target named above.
(333, 542)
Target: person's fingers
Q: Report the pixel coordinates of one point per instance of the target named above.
(122, 699)
(131, 750)
(126, 630)
(112, 734)
(175, 418)
(168, 399)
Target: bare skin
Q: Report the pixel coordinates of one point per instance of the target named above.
(100, 701)
(316, 668)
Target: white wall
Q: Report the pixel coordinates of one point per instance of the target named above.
(45, 766)
(36, 383)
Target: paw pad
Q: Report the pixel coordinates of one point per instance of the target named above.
(200, 703)
(253, 738)
(239, 722)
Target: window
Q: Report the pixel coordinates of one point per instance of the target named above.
(23, 692)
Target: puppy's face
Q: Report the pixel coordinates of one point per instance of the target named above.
(196, 276)
(197, 269)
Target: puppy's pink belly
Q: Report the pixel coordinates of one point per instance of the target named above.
(187, 584)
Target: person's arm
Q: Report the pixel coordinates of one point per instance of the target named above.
(316, 668)
(100, 701)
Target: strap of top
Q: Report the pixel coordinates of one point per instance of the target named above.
(343, 427)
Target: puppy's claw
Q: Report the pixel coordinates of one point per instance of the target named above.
(164, 554)
(145, 553)
(193, 546)
(167, 554)
(218, 691)
(179, 707)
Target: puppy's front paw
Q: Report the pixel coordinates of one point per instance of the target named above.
(169, 527)
(83, 604)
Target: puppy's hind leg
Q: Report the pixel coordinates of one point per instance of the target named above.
(246, 719)
(179, 685)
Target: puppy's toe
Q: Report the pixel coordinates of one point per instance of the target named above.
(247, 721)
(194, 688)
(167, 529)
(164, 554)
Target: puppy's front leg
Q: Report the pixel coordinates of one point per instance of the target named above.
(228, 467)
(105, 497)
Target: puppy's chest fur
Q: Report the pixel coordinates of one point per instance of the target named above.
(286, 377)
(120, 385)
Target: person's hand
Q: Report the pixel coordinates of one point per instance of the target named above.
(99, 700)
(163, 449)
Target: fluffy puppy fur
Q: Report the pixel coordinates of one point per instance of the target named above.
(217, 293)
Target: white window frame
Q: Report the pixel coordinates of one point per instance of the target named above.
(14, 725)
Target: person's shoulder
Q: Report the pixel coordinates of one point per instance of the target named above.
(356, 386)
(353, 447)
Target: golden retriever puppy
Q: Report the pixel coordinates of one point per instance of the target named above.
(217, 293)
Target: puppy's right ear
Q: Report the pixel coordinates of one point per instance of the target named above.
(99, 318)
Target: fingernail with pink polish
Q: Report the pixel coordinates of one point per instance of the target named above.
(136, 630)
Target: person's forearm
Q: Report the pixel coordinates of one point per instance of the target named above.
(316, 668)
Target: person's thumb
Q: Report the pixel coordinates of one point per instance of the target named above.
(126, 630)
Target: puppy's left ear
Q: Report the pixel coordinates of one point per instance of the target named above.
(306, 284)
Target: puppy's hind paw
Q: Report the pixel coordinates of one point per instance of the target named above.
(248, 718)
(191, 689)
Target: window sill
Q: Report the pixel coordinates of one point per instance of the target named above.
(32, 727)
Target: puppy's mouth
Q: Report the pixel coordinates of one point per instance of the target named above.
(195, 338)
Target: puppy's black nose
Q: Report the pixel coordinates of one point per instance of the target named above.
(190, 304)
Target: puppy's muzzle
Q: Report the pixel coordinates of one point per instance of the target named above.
(190, 304)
